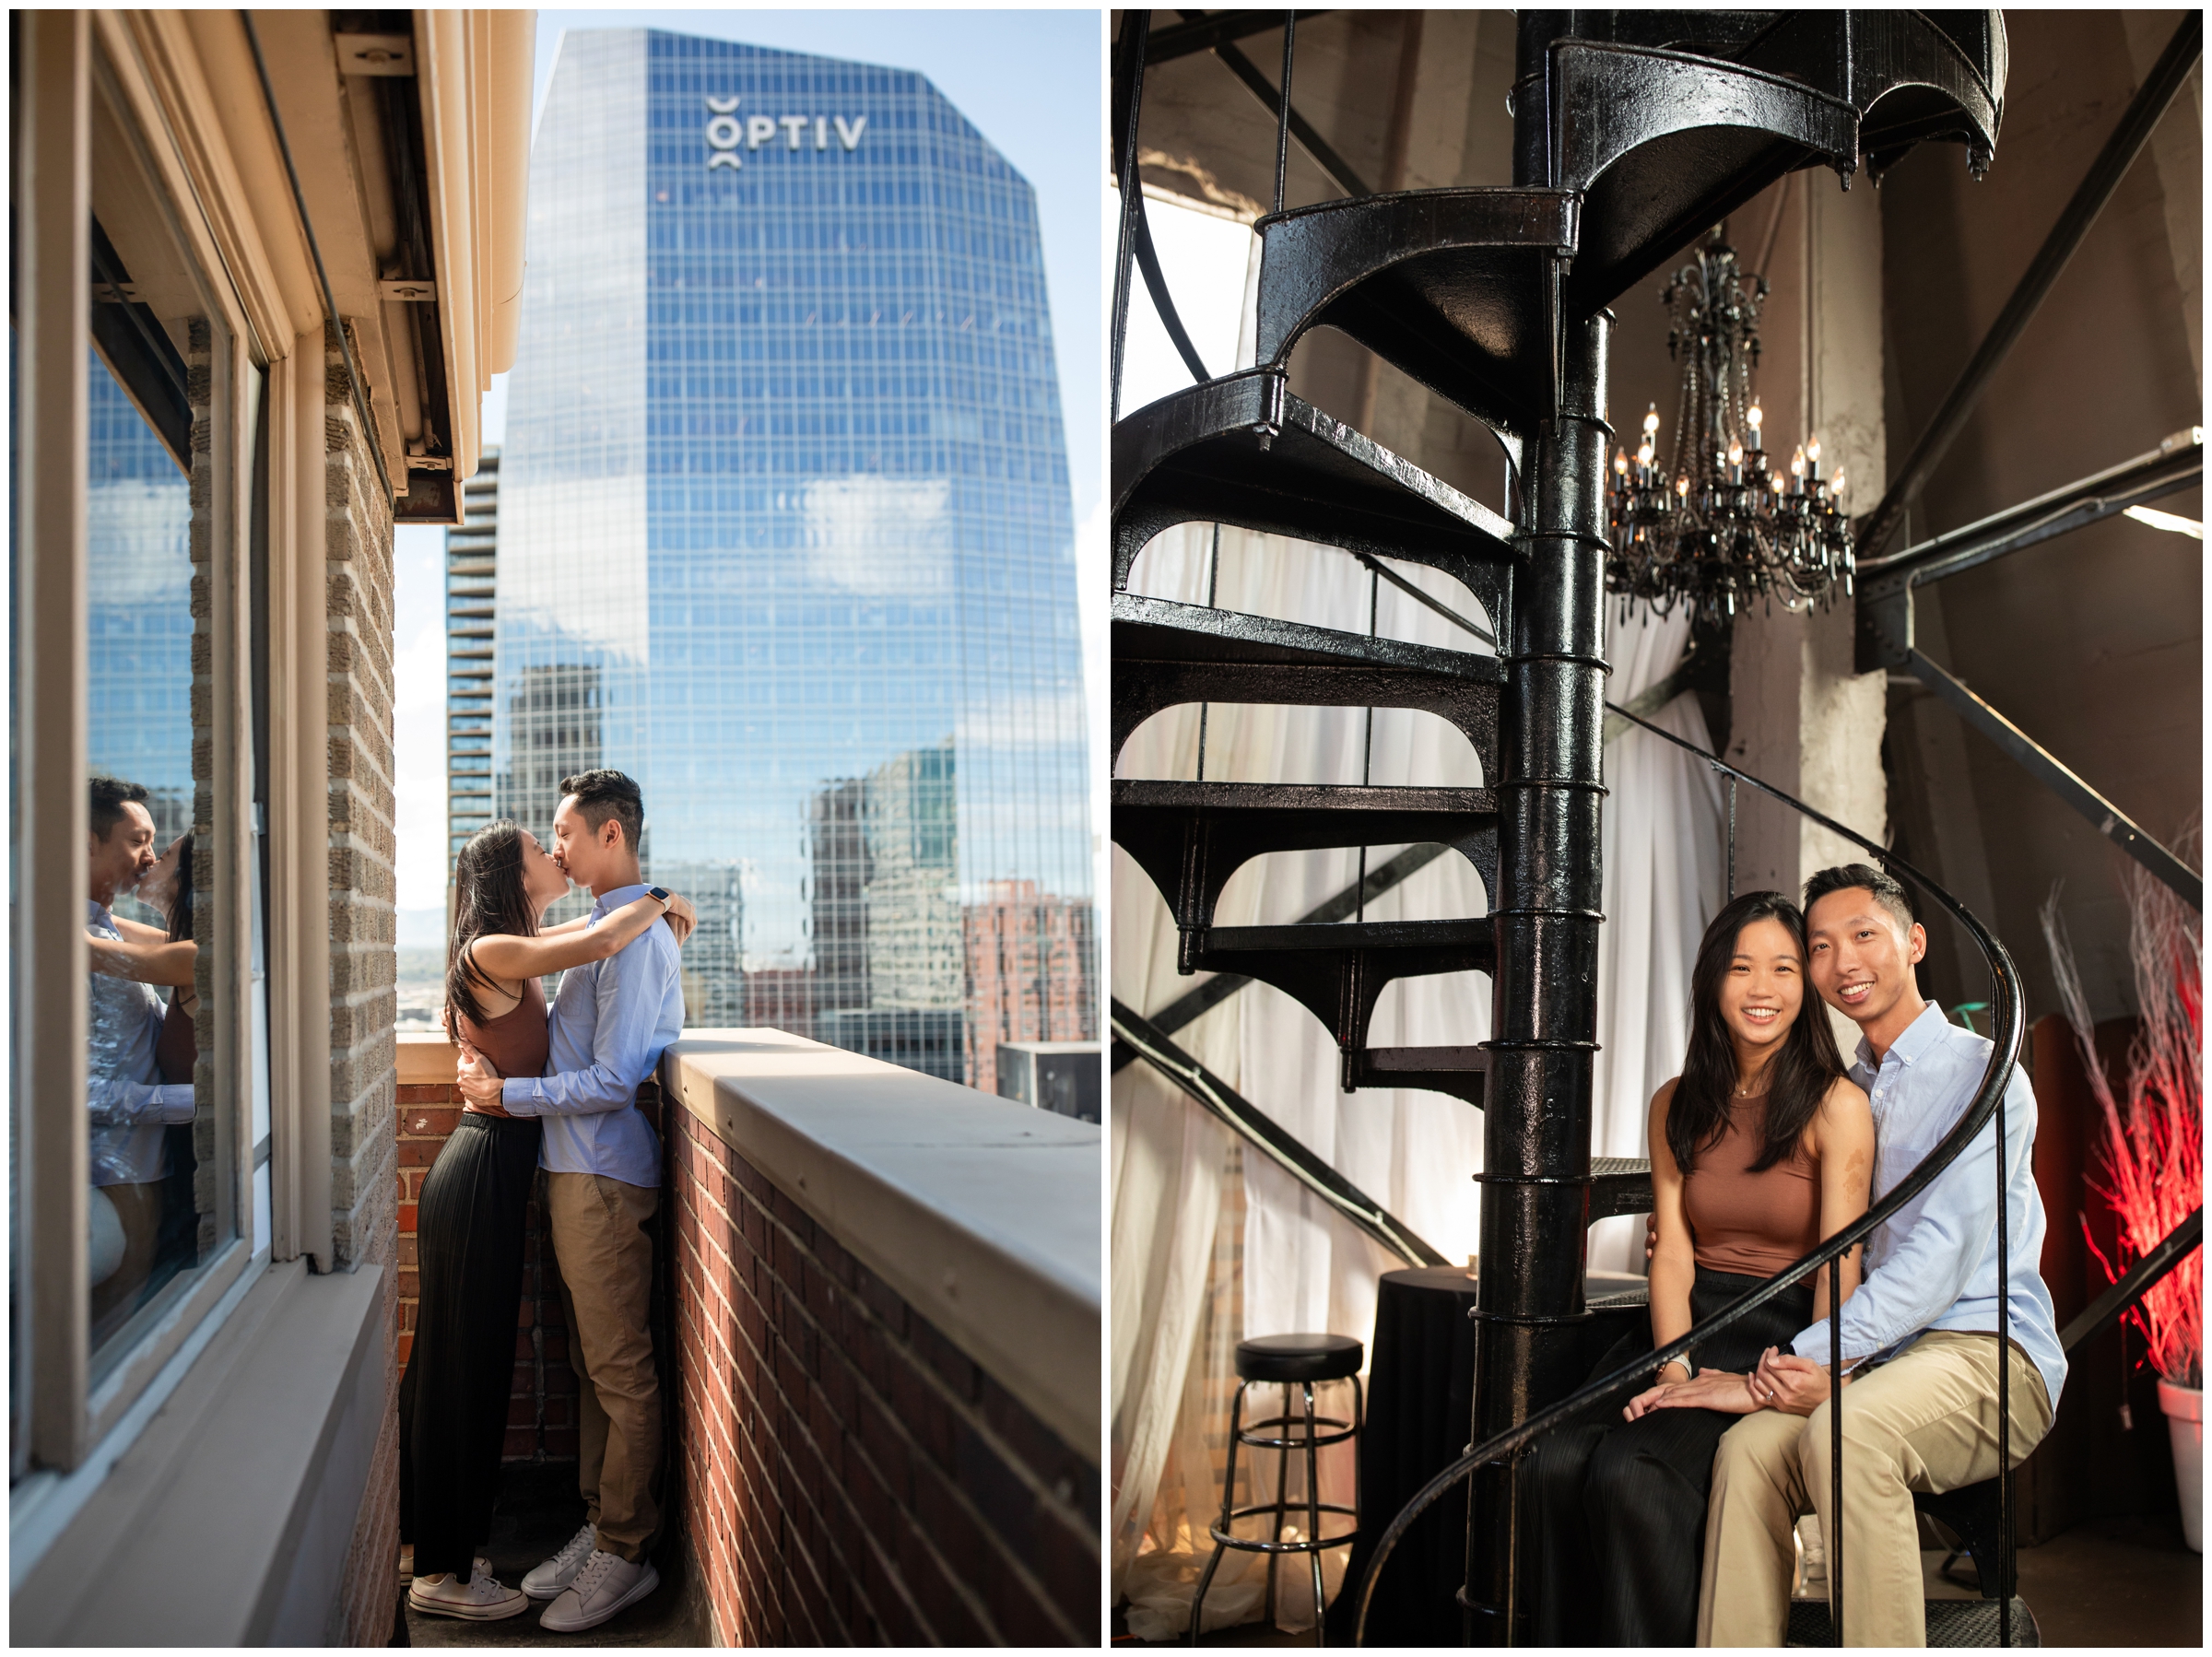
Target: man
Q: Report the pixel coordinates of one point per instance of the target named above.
(129, 1107)
(1919, 1346)
(608, 1026)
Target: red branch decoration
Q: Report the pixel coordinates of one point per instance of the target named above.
(2150, 1153)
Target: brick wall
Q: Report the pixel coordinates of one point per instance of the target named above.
(845, 1475)
(541, 1410)
(363, 966)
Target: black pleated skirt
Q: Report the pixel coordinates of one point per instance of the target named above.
(1615, 1511)
(469, 1225)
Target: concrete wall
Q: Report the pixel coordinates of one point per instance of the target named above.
(2091, 643)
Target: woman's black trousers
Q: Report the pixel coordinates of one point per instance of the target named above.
(1616, 1510)
(452, 1400)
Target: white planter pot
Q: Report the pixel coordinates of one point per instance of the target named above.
(2184, 1408)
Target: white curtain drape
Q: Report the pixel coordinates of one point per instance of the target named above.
(1210, 1242)
(1664, 842)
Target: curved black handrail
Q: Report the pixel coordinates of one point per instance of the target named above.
(2004, 1034)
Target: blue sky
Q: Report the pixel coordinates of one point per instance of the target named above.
(1033, 83)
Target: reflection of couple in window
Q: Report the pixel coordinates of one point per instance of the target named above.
(1670, 1521)
(139, 1088)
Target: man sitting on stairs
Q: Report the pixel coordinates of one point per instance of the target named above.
(1919, 1338)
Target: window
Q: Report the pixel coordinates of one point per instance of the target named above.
(139, 1103)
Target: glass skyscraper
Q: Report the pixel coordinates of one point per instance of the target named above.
(785, 533)
(139, 605)
(472, 573)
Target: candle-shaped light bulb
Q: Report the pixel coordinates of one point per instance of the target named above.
(1835, 484)
(1812, 452)
(1643, 454)
(1735, 454)
(1650, 420)
(1797, 463)
(1682, 487)
(1620, 462)
(1755, 417)
(1776, 481)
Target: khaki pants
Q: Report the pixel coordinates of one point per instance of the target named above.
(115, 1297)
(1925, 1421)
(606, 1258)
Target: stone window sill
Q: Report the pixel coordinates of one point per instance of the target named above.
(229, 1518)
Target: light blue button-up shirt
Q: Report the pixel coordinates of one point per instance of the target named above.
(1933, 1263)
(125, 1095)
(609, 1025)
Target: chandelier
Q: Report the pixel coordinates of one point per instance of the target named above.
(1715, 528)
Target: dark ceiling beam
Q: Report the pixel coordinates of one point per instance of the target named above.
(2176, 464)
(1312, 142)
(2166, 78)
(1221, 28)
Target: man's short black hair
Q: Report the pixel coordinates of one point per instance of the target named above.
(110, 795)
(1885, 887)
(602, 794)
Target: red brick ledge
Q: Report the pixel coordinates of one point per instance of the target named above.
(982, 1215)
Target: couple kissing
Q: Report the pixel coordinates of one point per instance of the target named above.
(552, 1091)
(1670, 1521)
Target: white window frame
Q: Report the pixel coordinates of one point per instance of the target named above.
(139, 71)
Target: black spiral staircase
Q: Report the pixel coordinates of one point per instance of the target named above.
(1633, 131)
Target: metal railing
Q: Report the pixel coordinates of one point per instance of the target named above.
(1988, 1104)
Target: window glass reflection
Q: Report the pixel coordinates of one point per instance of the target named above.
(146, 1221)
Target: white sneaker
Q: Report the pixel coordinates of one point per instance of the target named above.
(480, 1598)
(608, 1583)
(547, 1580)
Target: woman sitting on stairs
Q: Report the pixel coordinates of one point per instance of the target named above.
(1760, 1148)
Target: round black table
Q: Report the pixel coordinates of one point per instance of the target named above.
(1420, 1411)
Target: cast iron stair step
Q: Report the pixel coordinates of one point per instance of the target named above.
(1192, 836)
(1669, 120)
(1457, 288)
(1619, 1185)
(1650, 145)
(1950, 1622)
(1244, 451)
(1935, 75)
(1464, 290)
(1336, 971)
(1166, 653)
(1459, 1071)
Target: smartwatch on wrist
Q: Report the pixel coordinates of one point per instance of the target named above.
(667, 896)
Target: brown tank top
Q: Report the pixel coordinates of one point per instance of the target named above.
(1748, 1223)
(177, 1048)
(517, 1041)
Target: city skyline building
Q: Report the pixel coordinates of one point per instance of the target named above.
(471, 555)
(786, 533)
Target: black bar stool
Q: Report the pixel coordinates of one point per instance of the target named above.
(1288, 1360)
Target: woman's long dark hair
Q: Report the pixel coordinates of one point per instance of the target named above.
(1798, 1078)
(180, 897)
(488, 898)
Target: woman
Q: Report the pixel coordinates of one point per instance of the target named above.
(1760, 1148)
(469, 1221)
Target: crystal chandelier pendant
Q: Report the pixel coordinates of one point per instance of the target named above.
(1720, 526)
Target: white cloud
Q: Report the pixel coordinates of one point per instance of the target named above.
(881, 537)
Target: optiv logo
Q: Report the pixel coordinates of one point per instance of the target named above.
(726, 133)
